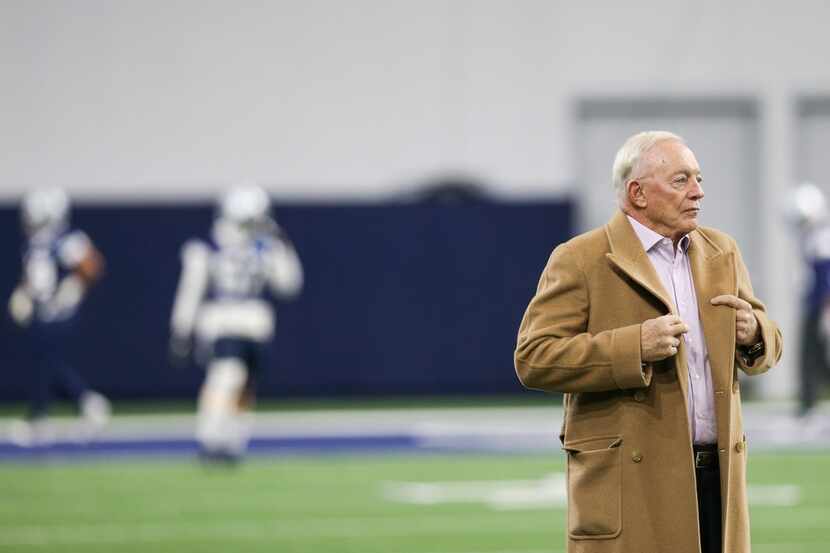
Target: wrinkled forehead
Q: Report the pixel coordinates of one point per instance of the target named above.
(668, 157)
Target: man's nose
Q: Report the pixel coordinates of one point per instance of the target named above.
(697, 191)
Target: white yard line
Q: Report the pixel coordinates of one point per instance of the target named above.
(792, 547)
(544, 493)
(547, 492)
(503, 551)
(808, 518)
(404, 525)
(768, 426)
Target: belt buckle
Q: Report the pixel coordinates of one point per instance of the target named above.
(703, 459)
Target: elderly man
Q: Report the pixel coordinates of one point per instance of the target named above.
(643, 324)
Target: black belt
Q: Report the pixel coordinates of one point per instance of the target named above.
(706, 456)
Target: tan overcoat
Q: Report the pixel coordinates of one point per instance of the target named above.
(631, 481)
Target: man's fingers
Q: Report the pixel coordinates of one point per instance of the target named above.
(731, 301)
(675, 325)
(678, 328)
(727, 299)
(671, 319)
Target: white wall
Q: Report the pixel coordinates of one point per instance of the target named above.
(152, 98)
(331, 100)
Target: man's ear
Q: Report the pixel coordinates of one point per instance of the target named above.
(636, 196)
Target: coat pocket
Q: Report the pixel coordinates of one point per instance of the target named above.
(594, 487)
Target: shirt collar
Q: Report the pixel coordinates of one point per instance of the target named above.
(650, 239)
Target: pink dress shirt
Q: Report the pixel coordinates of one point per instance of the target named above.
(676, 276)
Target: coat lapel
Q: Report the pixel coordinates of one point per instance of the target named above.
(628, 255)
(714, 274)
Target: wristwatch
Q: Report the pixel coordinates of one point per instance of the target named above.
(750, 353)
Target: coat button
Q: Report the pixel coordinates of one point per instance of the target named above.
(640, 396)
(739, 447)
(636, 456)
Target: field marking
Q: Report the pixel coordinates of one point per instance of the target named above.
(548, 492)
(792, 547)
(774, 495)
(769, 426)
(807, 519)
(405, 524)
(504, 551)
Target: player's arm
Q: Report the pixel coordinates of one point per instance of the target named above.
(81, 258)
(190, 291)
(285, 272)
(821, 272)
(21, 307)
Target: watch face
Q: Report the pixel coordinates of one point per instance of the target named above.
(755, 351)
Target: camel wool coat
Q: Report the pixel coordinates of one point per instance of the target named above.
(631, 478)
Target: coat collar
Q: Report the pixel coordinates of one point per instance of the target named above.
(628, 255)
(650, 239)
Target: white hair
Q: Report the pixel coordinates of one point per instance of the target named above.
(630, 154)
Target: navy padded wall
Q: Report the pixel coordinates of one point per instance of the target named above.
(399, 298)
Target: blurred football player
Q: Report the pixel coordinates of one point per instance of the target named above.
(221, 312)
(59, 265)
(810, 214)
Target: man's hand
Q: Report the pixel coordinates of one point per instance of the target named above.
(659, 338)
(747, 330)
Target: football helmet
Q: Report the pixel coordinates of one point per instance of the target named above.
(808, 204)
(244, 205)
(44, 208)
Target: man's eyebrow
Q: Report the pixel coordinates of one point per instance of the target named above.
(686, 172)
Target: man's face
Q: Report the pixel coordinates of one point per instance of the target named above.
(670, 189)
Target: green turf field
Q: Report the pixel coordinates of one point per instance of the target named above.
(337, 504)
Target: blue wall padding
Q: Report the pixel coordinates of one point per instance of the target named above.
(399, 298)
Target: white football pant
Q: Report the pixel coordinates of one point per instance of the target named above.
(221, 422)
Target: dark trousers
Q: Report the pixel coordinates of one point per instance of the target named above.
(814, 366)
(709, 508)
(51, 371)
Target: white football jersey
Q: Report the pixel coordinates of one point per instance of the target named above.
(47, 259)
(224, 285)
